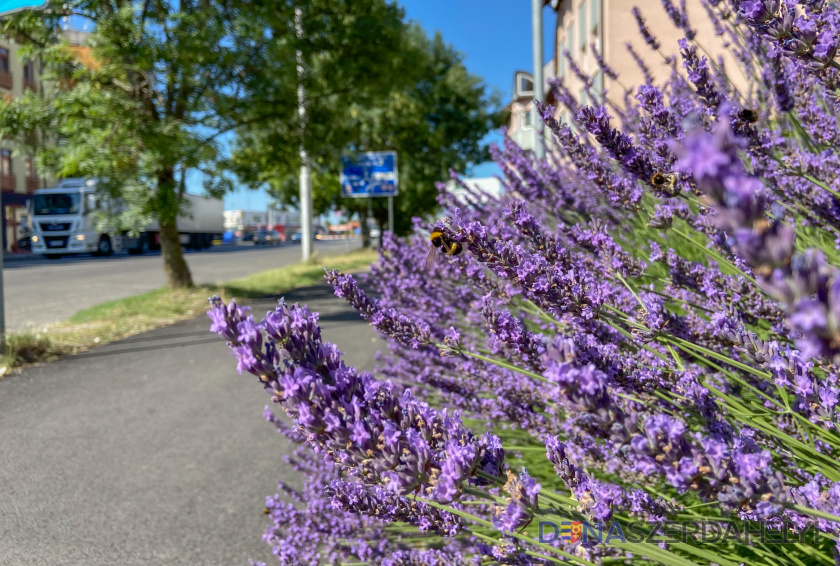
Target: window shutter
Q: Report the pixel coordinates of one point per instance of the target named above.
(584, 31)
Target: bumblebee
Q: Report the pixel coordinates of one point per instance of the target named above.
(442, 245)
(665, 182)
(747, 115)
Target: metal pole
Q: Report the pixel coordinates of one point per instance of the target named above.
(305, 180)
(537, 32)
(2, 302)
(391, 214)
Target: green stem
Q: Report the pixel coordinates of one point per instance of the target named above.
(505, 365)
(815, 512)
(711, 253)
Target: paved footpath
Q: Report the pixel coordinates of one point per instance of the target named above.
(149, 451)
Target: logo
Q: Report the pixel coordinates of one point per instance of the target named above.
(570, 531)
(673, 532)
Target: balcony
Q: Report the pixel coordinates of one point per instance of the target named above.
(32, 184)
(30, 84)
(8, 182)
(6, 80)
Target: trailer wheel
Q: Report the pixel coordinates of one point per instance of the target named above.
(142, 246)
(103, 248)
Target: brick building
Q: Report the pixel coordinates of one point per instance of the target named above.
(18, 178)
(609, 25)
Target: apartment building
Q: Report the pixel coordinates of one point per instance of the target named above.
(18, 178)
(609, 25)
(521, 116)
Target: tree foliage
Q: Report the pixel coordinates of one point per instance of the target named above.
(159, 87)
(139, 104)
(430, 110)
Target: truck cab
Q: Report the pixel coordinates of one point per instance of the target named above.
(63, 221)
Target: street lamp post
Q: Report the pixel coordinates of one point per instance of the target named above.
(305, 179)
(537, 30)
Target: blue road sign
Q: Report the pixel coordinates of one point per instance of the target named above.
(11, 6)
(370, 174)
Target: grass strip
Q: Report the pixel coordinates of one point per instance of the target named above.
(114, 320)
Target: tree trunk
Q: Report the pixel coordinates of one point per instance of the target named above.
(177, 271)
(175, 267)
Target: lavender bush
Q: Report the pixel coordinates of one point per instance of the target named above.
(643, 330)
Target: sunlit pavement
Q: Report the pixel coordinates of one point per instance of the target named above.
(40, 291)
(149, 451)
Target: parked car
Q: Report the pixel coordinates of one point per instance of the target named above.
(296, 237)
(267, 238)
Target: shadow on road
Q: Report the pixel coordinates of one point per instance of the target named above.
(154, 442)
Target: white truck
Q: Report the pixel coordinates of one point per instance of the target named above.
(64, 222)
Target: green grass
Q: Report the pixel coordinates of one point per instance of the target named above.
(113, 320)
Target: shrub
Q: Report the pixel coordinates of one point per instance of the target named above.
(642, 332)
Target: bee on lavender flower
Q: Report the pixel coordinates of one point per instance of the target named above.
(441, 245)
(748, 115)
(665, 182)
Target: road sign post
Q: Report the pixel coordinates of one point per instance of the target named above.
(8, 7)
(371, 174)
(391, 214)
(2, 303)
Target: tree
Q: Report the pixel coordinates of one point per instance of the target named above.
(436, 121)
(349, 50)
(140, 104)
(432, 111)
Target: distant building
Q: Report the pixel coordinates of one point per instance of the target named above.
(521, 116)
(485, 187)
(609, 25)
(249, 220)
(18, 179)
(239, 219)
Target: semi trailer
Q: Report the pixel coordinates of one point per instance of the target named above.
(64, 221)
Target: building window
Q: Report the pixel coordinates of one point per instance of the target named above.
(598, 84)
(31, 176)
(582, 25)
(526, 84)
(527, 119)
(570, 40)
(5, 162)
(5, 75)
(584, 99)
(595, 15)
(29, 76)
(561, 64)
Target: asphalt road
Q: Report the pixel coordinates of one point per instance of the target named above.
(40, 291)
(149, 451)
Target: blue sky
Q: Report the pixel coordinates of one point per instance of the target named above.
(493, 35)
